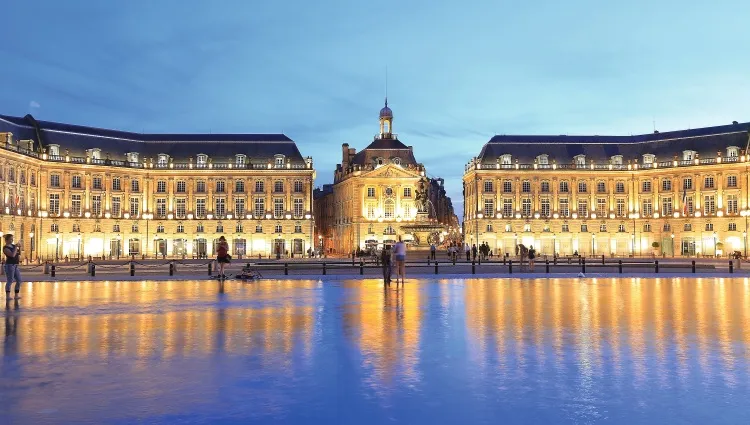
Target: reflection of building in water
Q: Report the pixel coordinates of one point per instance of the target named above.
(620, 323)
(150, 326)
(386, 326)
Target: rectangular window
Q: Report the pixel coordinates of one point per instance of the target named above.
(116, 206)
(563, 187)
(220, 207)
(75, 205)
(666, 206)
(648, 208)
(135, 186)
(732, 181)
(489, 207)
(507, 186)
(54, 180)
(583, 208)
(601, 187)
(666, 185)
(731, 204)
(161, 208)
(545, 187)
(526, 186)
(278, 186)
(54, 204)
(180, 207)
(260, 208)
(646, 186)
(508, 207)
(161, 186)
(620, 207)
(709, 227)
(371, 211)
(565, 228)
(564, 207)
(220, 186)
(96, 183)
(278, 207)
(239, 207)
(646, 227)
(582, 187)
(298, 187)
(299, 208)
(181, 187)
(96, 205)
(545, 208)
(116, 184)
(135, 207)
(76, 182)
(601, 207)
(687, 183)
(584, 228)
(259, 186)
(488, 186)
(370, 192)
(708, 182)
(732, 227)
(709, 205)
(690, 204)
(239, 186)
(526, 207)
(200, 186)
(200, 208)
(407, 192)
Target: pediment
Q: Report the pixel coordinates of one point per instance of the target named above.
(392, 171)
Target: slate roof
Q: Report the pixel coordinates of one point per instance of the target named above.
(385, 148)
(77, 139)
(706, 141)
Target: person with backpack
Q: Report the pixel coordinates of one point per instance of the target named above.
(222, 255)
(385, 261)
(12, 258)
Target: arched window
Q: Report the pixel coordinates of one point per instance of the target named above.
(389, 209)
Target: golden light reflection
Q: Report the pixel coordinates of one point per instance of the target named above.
(637, 327)
(163, 319)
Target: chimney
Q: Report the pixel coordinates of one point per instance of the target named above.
(735, 122)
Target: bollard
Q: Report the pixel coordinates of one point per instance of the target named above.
(428, 261)
(93, 269)
(579, 260)
(46, 267)
(554, 259)
(436, 267)
(473, 268)
(656, 266)
(693, 266)
(602, 259)
(454, 260)
(583, 265)
(52, 272)
(546, 266)
(510, 266)
(731, 266)
(361, 267)
(286, 269)
(171, 269)
(619, 266)
(324, 267)
(132, 268)
(210, 269)
(504, 260)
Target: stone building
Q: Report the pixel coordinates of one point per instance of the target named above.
(382, 193)
(324, 218)
(73, 191)
(674, 193)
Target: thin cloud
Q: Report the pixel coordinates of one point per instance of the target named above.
(34, 104)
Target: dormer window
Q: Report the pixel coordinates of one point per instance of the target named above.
(648, 158)
(54, 150)
(505, 159)
(378, 161)
(580, 160)
(688, 155)
(201, 160)
(733, 152)
(616, 160)
(278, 161)
(396, 161)
(96, 153)
(162, 160)
(240, 160)
(132, 157)
(543, 159)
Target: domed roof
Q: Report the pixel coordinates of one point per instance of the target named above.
(386, 111)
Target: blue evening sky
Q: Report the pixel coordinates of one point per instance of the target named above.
(459, 72)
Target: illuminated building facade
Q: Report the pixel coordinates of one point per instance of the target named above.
(382, 193)
(73, 191)
(674, 193)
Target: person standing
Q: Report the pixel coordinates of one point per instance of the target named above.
(532, 256)
(385, 261)
(399, 253)
(474, 252)
(432, 251)
(12, 272)
(468, 251)
(222, 255)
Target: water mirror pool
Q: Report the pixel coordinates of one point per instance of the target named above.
(462, 351)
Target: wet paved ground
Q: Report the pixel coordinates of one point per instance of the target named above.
(439, 351)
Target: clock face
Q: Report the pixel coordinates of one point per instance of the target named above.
(389, 191)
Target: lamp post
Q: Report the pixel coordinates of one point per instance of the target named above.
(554, 247)
(57, 247)
(672, 236)
(147, 217)
(715, 251)
(593, 244)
